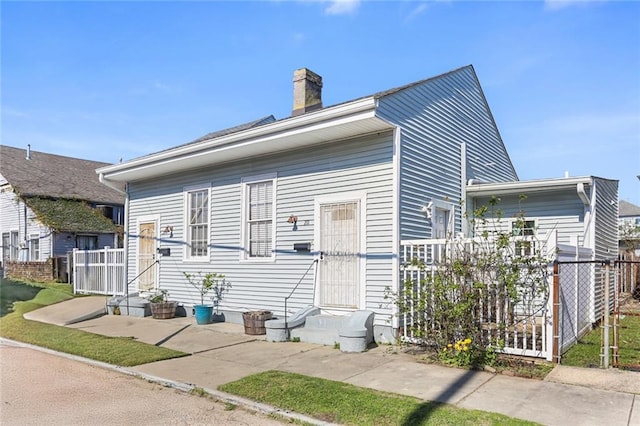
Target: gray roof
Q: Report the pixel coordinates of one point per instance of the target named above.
(271, 119)
(626, 209)
(230, 130)
(55, 176)
(218, 133)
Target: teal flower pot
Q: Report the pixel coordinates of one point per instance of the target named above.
(203, 313)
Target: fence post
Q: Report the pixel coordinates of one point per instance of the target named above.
(605, 339)
(105, 276)
(556, 312)
(74, 271)
(616, 313)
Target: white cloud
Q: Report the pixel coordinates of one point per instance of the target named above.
(11, 112)
(418, 10)
(342, 7)
(553, 5)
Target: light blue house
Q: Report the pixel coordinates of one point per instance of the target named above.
(313, 207)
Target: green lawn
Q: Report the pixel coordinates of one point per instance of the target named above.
(113, 350)
(339, 402)
(586, 353)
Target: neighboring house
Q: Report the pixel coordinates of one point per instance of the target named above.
(344, 185)
(49, 205)
(629, 228)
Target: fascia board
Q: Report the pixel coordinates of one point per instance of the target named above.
(319, 119)
(529, 186)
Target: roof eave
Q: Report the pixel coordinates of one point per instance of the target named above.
(525, 186)
(339, 122)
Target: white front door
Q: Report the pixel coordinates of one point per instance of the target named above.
(339, 240)
(147, 256)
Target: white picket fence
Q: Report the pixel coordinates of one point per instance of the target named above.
(99, 271)
(530, 331)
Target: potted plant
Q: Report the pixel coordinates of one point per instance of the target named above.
(161, 306)
(210, 282)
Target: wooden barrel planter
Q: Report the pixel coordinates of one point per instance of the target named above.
(164, 310)
(254, 322)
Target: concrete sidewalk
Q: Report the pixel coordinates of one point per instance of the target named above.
(222, 353)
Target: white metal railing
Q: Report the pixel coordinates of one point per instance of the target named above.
(525, 329)
(99, 271)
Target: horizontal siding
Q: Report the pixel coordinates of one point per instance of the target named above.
(362, 164)
(436, 117)
(12, 219)
(560, 211)
(606, 218)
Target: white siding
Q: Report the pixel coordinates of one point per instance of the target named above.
(560, 211)
(606, 218)
(12, 218)
(363, 164)
(436, 117)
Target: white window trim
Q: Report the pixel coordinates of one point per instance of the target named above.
(344, 197)
(244, 234)
(186, 257)
(33, 237)
(444, 205)
(513, 221)
(533, 239)
(14, 245)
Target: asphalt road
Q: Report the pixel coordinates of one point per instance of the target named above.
(38, 388)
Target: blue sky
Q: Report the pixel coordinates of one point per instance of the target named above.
(111, 80)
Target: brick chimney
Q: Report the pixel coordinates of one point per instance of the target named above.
(307, 91)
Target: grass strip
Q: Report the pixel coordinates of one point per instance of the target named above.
(122, 351)
(586, 353)
(343, 403)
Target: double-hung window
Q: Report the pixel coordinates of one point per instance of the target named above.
(34, 247)
(15, 246)
(258, 217)
(524, 232)
(197, 205)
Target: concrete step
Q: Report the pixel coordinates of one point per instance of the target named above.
(325, 322)
(318, 336)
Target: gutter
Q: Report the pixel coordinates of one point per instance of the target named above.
(583, 194)
(271, 131)
(108, 183)
(477, 189)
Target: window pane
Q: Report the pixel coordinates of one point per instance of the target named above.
(198, 233)
(34, 247)
(260, 210)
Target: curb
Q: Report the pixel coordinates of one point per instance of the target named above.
(184, 387)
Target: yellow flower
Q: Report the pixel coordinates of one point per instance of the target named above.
(449, 345)
(467, 341)
(466, 348)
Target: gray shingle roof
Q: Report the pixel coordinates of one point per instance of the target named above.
(626, 209)
(55, 176)
(271, 119)
(245, 126)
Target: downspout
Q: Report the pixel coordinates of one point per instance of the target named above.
(583, 194)
(125, 241)
(125, 244)
(463, 187)
(584, 197)
(25, 251)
